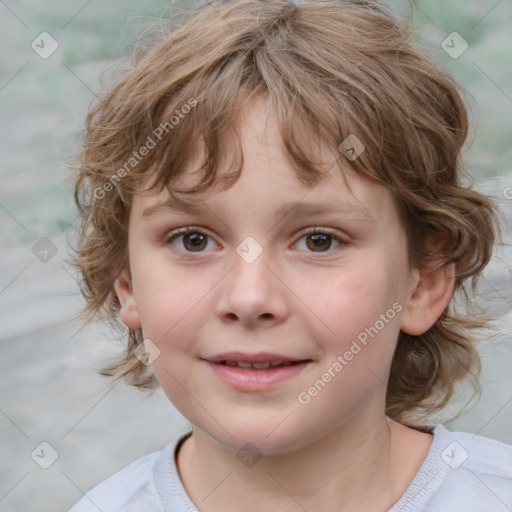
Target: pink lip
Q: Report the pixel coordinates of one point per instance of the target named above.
(260, 357)
(249, 379)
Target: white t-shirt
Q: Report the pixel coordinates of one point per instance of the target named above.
(462, 473)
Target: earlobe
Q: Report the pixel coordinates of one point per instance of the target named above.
(128, 311)
(428, 300)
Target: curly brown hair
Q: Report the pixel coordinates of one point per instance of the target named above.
(332, 68)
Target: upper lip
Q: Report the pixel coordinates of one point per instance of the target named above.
(260, 357)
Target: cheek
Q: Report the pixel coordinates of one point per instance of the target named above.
(173, 307)
(362, 314)
(170, 300)
(173, 325)
(355, 298)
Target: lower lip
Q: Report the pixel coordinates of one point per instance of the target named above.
(247, 379)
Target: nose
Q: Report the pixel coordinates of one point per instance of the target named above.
(252, 293)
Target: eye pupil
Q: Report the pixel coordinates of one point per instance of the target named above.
(196, 239)
(319, 241)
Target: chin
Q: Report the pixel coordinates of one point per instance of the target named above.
(262, 438)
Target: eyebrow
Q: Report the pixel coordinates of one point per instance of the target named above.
(355, 212)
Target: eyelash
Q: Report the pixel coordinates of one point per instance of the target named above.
(310, 231)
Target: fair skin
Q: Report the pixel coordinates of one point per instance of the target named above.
(338, 452)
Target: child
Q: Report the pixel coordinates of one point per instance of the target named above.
(271, 202)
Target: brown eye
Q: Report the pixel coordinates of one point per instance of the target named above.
(193, 240)
(320, 240)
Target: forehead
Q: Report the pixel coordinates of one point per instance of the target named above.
(269, 182)
(257, 202)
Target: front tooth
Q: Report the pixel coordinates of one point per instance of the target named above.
(231, 363)
(244, 364)
(261, 365)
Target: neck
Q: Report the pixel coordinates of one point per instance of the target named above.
(343, 470)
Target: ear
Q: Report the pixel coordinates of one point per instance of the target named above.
(428, 301)
(124, 290)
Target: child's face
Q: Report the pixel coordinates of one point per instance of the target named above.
(303, 297)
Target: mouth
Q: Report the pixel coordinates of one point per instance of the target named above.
(257, 372)
(258, 360)
(260, 366)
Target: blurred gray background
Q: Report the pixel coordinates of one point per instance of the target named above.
(50, 391)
